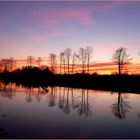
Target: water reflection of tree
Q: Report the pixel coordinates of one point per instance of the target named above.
(67, 105)
(88, 107)
(38, 97)
(75, 102)
(29, 92)
(121, 107)
(84, 106)
(61, 98)
(64, 101)
(7, 90)
(52, 101)
(68, 101)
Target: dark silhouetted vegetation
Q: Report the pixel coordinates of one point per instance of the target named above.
(33, 76)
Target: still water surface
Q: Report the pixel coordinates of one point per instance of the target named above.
(62, 112)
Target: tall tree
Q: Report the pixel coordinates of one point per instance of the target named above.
(11, 63)
(52, 62)
(5, 63)
(121, 58)
(89, 56)
(30, 60)
(68, 52)
(64, 62)
(74, 57)
(62, 57)
(39, 60)
(83, 58)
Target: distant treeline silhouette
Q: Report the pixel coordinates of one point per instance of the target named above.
(29, 75)
(33, 76)
(69, 62)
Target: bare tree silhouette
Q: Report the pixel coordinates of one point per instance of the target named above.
(83, 58)
(12, 63)
(75, 56)
(89, 56)
(68, 52)
(62, 60)
(52, 62)
(30, 60)
(121, 107)
(121, 58)
(5, 63)
(39, 60)
(8, 64)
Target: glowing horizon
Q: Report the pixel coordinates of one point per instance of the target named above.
(98, 68)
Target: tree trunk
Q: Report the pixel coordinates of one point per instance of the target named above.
(83, 68)
(72, 68)
(60, 67)
(64, 68)
(68, 67)
(119, 68)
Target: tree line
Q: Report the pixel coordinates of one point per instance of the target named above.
(67, 61)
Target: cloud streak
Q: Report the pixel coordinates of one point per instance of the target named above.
(57, 16)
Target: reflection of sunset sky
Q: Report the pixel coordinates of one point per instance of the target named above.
(40, 28)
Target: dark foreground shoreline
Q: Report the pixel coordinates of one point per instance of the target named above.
(34, 77)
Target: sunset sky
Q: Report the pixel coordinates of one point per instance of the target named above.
(40, 28)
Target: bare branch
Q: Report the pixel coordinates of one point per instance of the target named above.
(68, 53)
(121, 58)
(52, 61)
